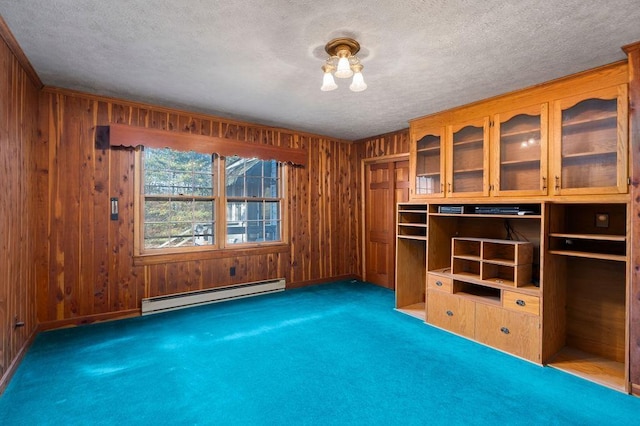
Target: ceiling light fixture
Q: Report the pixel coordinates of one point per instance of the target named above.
(342, 63)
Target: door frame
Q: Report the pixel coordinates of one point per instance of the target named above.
(363, 190)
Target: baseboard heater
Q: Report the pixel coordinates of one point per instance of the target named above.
(154, 305)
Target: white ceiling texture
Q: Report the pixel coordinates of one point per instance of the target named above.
(259, 60)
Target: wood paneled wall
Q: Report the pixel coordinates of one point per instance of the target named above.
(383, 145)
(89, 262)
(18, 209)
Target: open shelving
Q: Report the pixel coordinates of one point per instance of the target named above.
(411, 252)
(589, 259)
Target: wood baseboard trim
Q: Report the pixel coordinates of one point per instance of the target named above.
(88, 319)
(9, 372)
(308, 283)
(635, 389)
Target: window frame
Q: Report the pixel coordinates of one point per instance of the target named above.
(220, 248)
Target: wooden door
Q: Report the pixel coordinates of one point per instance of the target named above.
(386, 184)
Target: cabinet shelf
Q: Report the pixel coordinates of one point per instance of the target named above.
(417, 310)
(531, 162)
(472, 170)
(433, 149)
(613, 116)
(468, 142)
(413, 237)
(599, 237)
(534, 131)
(412, 211)
(428, 174)
(589, 154)
(588, 255)
(592, 367)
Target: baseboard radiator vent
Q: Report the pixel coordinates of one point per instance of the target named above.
(154, 305)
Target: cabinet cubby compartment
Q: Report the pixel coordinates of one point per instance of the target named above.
(595, 231)
(412, 221)
(478, 293)
(502, 262)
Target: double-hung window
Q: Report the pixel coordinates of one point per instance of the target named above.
(192, 201)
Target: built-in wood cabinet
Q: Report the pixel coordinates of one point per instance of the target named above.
(519, 152)
(427, 164)
(590, 141)
(467, 163)
(550, 286)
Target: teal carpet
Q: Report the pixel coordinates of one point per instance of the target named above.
(328, 354)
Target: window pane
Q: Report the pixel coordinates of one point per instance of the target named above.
(173, 216)
(254, 187)
(270, 188)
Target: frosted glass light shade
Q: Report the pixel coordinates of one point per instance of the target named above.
(358, 84)
(328, 82)
(344, 69)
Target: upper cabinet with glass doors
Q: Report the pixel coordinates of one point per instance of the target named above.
(519, 153)
(590, 149)
(427, 163)
(468, 159)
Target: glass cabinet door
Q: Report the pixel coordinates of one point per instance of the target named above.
(427, 164)
(591, 143)
(468, 159)
(520, 160)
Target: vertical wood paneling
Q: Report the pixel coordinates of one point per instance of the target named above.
(92, 273)
(633, 51)
(21, 177)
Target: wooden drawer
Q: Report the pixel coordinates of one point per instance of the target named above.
(512, 332)
(451, 312)
(521, 302)
(438, 282)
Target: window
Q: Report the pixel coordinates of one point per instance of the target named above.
(253, 200)
(184, 206)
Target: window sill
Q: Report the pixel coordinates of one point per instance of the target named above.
(157, 258)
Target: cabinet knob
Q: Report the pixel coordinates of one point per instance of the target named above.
(442, 187)
(449, 187)
(439, 283)
(505, 330)
(557, 183)
(520, 302)
(544, 182)
(449, 313)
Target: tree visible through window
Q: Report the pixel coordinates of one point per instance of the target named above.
(183, 203)
(179, 199)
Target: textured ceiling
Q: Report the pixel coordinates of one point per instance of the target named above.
(260, 61)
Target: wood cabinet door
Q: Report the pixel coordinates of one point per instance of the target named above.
(519, 152)
(468, 159)
(590, 150)
(427, 163)
(451, 312)
(512, 332)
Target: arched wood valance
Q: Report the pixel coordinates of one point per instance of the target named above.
(132, 136)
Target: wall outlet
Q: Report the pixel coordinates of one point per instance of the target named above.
(232, 271)
(602, 220)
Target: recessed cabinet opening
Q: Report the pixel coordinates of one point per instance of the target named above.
(588, 257)
(477, 292)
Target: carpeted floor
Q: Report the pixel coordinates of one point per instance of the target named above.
(328, 354)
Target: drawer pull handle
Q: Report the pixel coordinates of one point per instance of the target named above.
(449, 313)
(520, 302)
(505, 330)
(439, 283)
